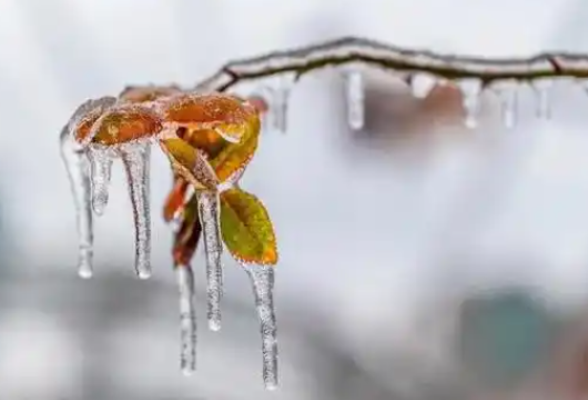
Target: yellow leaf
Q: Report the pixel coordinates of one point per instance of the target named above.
(190, 163)
(247, 229)
(234, 157)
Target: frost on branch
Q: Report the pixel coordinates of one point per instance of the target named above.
(210, 137)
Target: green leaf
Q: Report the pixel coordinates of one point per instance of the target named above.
(247, 229)
(190, 163)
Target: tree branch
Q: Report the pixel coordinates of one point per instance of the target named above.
(356, 50)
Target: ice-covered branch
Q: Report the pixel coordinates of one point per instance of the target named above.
(363, 51)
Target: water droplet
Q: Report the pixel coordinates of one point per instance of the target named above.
(471, 89)
(187, 319)
(78, 170)
(262, 280)
(354, 93)
(208, 210)
(101, 170)
(136, 158)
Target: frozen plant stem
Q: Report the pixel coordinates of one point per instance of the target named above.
(208, 210)
(187, 319)
(262, 280)
(360, 51)
(136, 158)
(77, 165)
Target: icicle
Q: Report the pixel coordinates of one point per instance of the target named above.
(208, 210)
(509, 105)
(354, 93)
(262, 280)
(421, 84)
(543, 88)
(101, 162)
(278, 107)
(187, 319)
(470, 89)
(77, 165)
(136, 157)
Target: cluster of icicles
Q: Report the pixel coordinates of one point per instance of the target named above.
(421, 85)
(89, 167)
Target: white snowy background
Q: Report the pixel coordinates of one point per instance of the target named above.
(382, 233)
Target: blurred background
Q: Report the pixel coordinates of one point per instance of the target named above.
(419, 260)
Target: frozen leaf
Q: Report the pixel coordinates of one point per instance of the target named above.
(187, 237)
(175, 199)
(207, 140)
(228, 115)
(190, 163)
(227, 159)
(124, 125)
(247, 229)
(233, 158)
(86, 115)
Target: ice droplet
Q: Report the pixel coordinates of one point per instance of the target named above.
(208, 210)
(77, 165)
(101, 167)
(354, 94)
(279, 95)
(187, 319)
(262, 280)
(421, 84)
(543, 88)
(136, 158)
(471, 89)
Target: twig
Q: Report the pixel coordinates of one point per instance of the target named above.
(356, 50)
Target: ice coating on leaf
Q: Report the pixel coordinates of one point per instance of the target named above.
(471, 89)
(190, 163)
(136, 158)
(262, 280)
(209, 213)
(421, 84)
(187, 319)
(77, 165)
(125, 123)
(543, 89)
(225, 114)
(80, 124)
(354, 93)
(101, 170)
